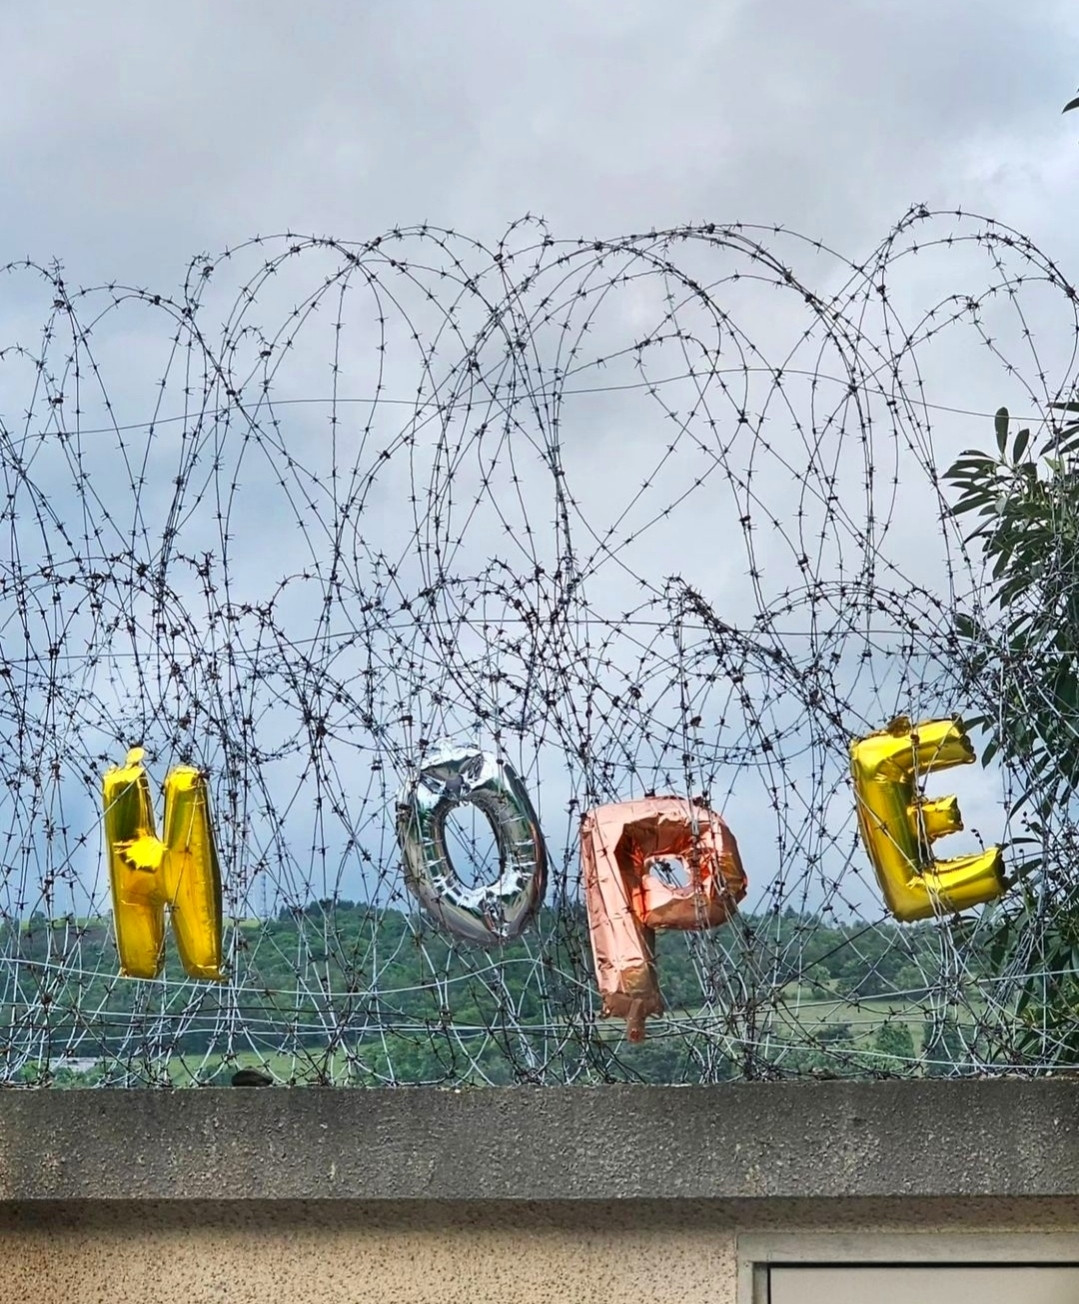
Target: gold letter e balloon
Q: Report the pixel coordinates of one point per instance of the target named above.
(899, 824)
(149, 873)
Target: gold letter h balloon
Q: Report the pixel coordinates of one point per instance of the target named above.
(898, 824)
(148, 873)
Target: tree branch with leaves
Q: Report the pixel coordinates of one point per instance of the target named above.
(1020, 656)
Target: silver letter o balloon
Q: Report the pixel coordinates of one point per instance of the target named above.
(450, 776)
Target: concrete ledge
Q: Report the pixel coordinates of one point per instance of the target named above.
(747, 1141)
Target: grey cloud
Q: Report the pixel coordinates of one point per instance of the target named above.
(134, 135)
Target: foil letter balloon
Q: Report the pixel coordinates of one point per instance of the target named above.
(621, 844)
(899, 824)
(490, 913)
(148, 873)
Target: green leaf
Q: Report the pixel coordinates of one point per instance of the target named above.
(1066, 440)
(1021, 441)
(1000, 421)
(972, 457)
(970, 500)
(971, 468)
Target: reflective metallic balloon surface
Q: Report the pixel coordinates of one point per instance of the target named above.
(450, 776)
(899, 824)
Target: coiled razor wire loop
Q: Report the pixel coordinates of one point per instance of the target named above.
(645, 515)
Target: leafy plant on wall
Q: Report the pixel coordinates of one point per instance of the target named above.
(1022, 655)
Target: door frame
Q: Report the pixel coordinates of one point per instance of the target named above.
(758, 1251)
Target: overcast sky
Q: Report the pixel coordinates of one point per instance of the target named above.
(134, 136)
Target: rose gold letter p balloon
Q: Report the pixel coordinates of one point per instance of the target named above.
(620, 844)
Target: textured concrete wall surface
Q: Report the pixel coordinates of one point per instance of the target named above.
(503, 1195)
(735, 1141)
(345, 1252)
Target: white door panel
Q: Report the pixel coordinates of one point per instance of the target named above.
(937, 1285)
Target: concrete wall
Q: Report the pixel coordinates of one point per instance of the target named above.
(515, 1195)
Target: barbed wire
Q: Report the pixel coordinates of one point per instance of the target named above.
(657, 514)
